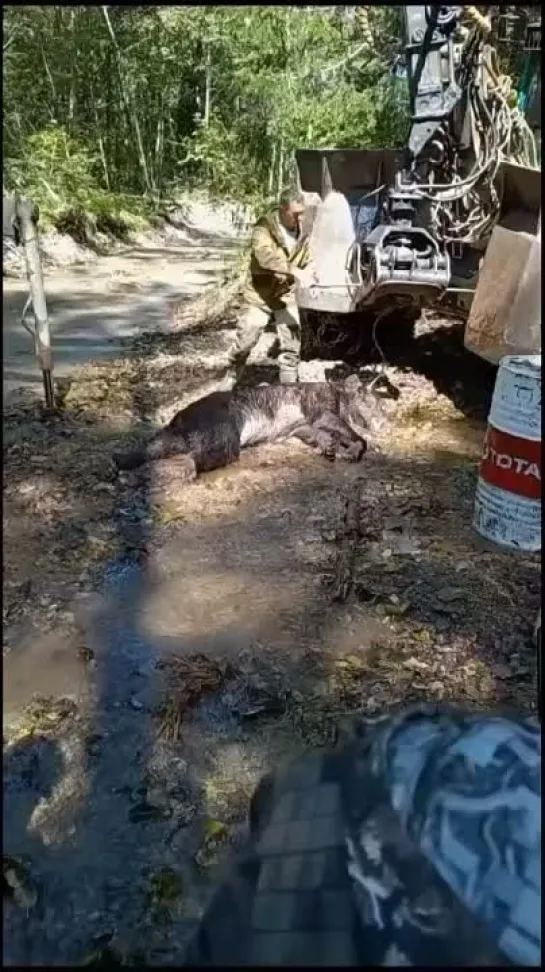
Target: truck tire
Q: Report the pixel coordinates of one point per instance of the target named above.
(349, 337)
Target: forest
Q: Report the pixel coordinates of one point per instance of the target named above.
(110, 110)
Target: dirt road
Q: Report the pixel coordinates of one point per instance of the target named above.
(182, 641)
(93, 308)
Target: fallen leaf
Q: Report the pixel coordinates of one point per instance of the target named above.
(214, 829)
(449, 594)
(415, 664)
(358, 661)
(398, 610)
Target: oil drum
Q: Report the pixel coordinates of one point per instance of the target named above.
(508, 497)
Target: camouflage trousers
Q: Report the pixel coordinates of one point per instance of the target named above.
(250, 327)
(419, 845)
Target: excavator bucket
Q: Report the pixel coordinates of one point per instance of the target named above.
(505, 314)
(354, 172)
(351, 186)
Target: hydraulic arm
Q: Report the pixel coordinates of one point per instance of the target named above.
(430, 210)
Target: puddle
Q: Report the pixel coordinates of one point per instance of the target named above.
(444, 439)
(54, 664)
(49, 664)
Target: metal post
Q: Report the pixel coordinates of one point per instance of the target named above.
(27, 217)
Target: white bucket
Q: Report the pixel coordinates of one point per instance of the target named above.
(508, 498)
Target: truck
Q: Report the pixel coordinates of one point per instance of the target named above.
(438, 224)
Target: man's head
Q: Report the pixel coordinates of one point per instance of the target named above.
(291, 207)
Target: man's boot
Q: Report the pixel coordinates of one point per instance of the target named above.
(289, 370)
(288, 378)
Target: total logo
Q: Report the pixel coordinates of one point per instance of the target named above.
(513, 463)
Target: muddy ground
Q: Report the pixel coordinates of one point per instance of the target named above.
(164, 646)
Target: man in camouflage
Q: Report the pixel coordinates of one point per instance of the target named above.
(279, 253)
(416, 844)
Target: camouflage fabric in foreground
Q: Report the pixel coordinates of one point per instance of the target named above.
(418, 844)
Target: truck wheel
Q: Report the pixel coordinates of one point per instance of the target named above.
(349, 337)
(397, 332)
(309, 328)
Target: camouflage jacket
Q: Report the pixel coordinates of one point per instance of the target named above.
(418, 843)
(270, 278)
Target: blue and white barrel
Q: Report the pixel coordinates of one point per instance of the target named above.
(508, 497)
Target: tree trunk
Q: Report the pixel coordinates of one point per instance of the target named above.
(55, 105)
(100, 141)
(72, 90)
(280, 180)
(207, 86)
(159, 142)
(132, 114)
(272, 168)
(288, 76)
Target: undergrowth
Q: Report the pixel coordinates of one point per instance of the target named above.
(61, 174)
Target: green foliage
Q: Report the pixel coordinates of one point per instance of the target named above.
(218, 157)
(106, 113)
(393, 113)
(60, 173)
(53, 168)
(117, 214)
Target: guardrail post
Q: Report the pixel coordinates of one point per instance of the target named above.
(26, 214)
